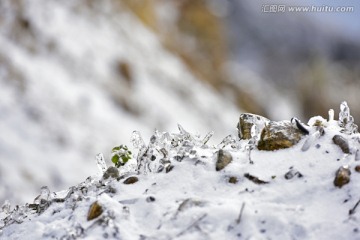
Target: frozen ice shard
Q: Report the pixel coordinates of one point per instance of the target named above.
(100, 162)
(346, 120)
(137, 140)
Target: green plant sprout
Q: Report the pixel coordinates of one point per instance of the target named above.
(120, 155)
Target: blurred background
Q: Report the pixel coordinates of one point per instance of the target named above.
(78, 76)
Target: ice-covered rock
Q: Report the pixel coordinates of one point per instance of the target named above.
(246, 121)
(279, 135)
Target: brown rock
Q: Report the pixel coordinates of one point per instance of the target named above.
(342, 143)
(279, 135)
(131, 180)
(94, 211)
(246, 121)
(223, 159)
(342, 176)
(357, 168)
(233, 180)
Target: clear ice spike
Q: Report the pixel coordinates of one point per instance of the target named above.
(184, 134)
(100, 162)
(5, 208)
(137, 140)
(346, 120)
(331, 115)
(45, 193)
(207, 137)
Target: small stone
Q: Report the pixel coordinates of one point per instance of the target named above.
(94, 211)
(279, 135)
(292, 173)
(255, 179)
(168, 168)
(150, 199)
(223, 159)
(357, 168)
(246, 122)
(342, 143)
(111, 172)
(233, 180)
(342, 176)
(131, 180)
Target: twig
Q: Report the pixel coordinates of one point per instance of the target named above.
(238, 220)
(192, 225)
(352, 211)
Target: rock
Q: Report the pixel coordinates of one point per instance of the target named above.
(246, 121)
(279, 135)
(94, 211)
(342, 176)
(255, 179)
(233, 180)
(357, 168)
(150, 199)
(131, 180)
(111, 172)
(223, 159)
(292, 173)
(342, 143)
(168, 168)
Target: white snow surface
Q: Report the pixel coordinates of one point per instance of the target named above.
(62, 100)
(194, 201)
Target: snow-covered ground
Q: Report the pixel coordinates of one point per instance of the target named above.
(290, 193)
(76, 78)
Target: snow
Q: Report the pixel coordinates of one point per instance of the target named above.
(194, 201)
(62, 99)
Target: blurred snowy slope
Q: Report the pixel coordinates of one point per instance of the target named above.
(76, 78)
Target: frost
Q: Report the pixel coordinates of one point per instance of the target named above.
(346, 120)
(100, 162)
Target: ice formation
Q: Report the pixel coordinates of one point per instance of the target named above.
(181, 187)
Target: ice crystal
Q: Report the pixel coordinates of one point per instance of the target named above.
(228, 140)
(137, 140)
(346, 120)
(5, 208)
(207, 137)
(44, 195)
(331, 115)
(100, 162)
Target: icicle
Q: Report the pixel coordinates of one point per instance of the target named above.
(44, 195)
(137, 140)
(226, 141)
(5, 208)
(207, 137)
(100, 162)
(346, 120)
(331, 115)
(184, 134)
